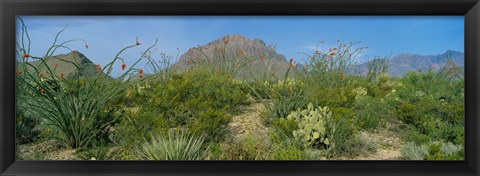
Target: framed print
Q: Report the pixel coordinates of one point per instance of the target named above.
(239, 87)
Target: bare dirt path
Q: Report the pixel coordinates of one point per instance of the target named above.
(388, 144)
(248, 122)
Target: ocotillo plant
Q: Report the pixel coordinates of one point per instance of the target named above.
(73, 108)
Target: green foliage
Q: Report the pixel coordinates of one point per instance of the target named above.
(432, 151)
(96, 153)
(371, 113)
(411, 151)
(285, 96)
(175, 145)
(287, 152)
(26, 127)
(74, 109)
(199, 101)
(245, 148)
(331, 97)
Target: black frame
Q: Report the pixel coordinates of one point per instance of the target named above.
(470, 9)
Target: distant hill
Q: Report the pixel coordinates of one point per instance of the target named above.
(89, 69)
(402, 63)
(238, 47)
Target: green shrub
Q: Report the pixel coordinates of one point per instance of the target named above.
(288, 152)
(371, 113)
(245, 148)
(26, 127)
(95, 153)
(283, 97)
(331, 97)
(212, 123)
(199, 101)
(432, 151)
(411, 151)
(176, 145)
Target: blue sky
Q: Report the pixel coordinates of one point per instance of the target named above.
(388, 35)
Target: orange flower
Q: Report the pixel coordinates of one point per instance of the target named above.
(61, 75)
(332, 54)
(273, 74)
(46, 71)
(291, 60)
(123, 66)
(206, 48)
(262, 58)
(42, 90)
(41, 75)
(334, 49)
(140, 71)
(242, 52)
(19, 73)
(218, 72)
(189, 62)
(25, 55)
(225, 42)
(99, 68)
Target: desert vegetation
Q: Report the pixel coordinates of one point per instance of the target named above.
(230, 103)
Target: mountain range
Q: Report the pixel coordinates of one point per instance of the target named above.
(258, 57)
(402, 63)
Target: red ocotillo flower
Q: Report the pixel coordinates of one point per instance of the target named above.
(26, 55)
(332, 54)
(262, 58)
(61, 75)
(99, 68)
(42, 90)
(141, 75)
(40, 75)
(19, 73)
(123, 66)
(273, 74)
(140, 71)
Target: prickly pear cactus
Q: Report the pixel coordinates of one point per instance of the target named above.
(314, 127)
